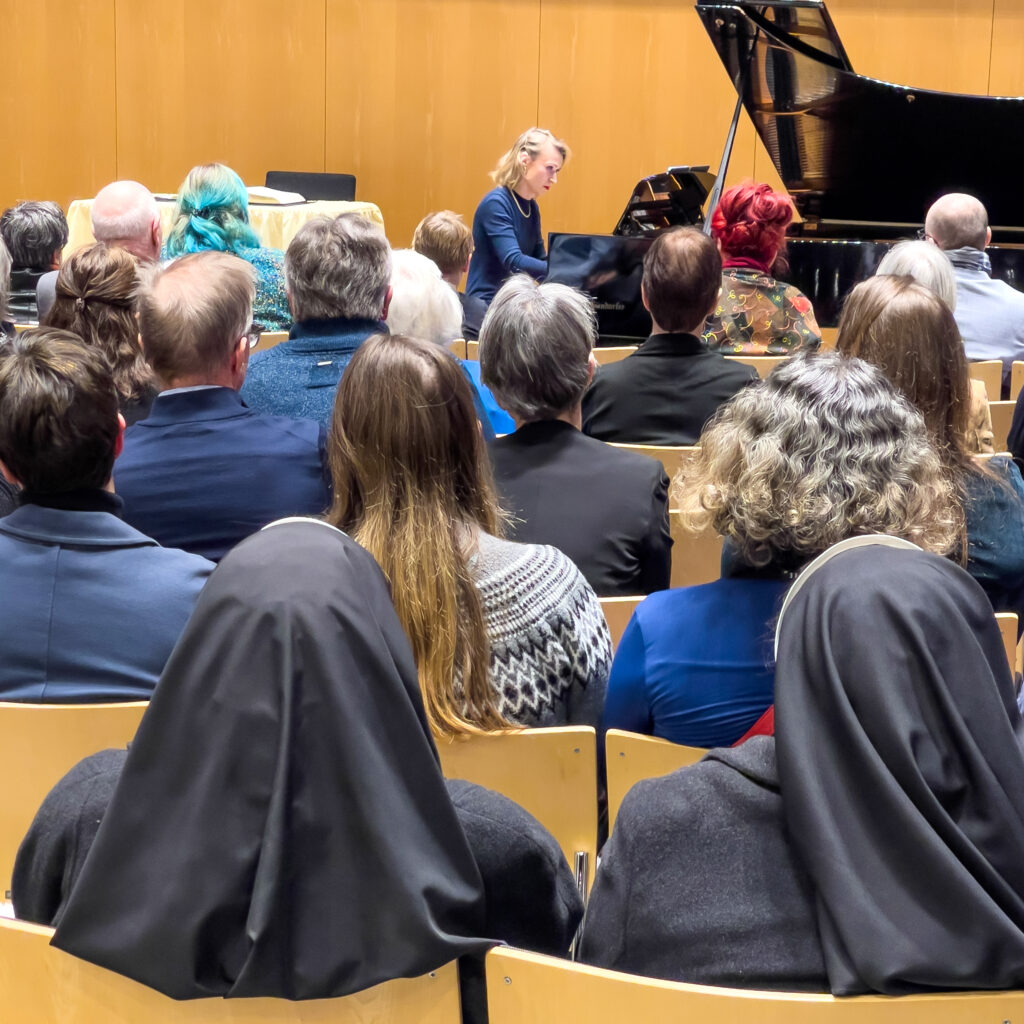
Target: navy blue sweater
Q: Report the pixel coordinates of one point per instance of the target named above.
(505, 242)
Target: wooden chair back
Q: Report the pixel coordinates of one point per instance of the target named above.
(617, 613)
(990, 373)
(763, 364)
(630, 757)
(1002, 418)
(612, 353)
(829, 336)
(458, 348)
(1016, 378)
(542, 989)
(671, 456)
(44, 985)
(1008, 630)
(696, 557)
(39, 744)
(24, 327)
(472, 349)
(552, 773)
(268, 339)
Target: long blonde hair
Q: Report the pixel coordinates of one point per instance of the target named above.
(411, 484)
(509, 168)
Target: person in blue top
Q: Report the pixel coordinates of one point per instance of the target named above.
(825, 449)
(507, 237)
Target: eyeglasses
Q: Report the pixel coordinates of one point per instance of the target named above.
(253, 333)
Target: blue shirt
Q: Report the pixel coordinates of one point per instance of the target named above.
(695, 664)
(505, 242)
(500, 421)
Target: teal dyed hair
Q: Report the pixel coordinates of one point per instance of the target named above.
(212, 212)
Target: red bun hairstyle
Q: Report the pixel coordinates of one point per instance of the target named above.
(751, 220)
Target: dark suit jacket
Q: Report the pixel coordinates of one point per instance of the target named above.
(663, 393)
(605, 508)
(203, 471)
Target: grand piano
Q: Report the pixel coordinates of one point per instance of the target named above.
(863, 159)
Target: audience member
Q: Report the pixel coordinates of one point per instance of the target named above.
(824, 449)
(202, 472)
(212, 212)
(124, 214)
(35, 234)
(885, 851)
(6, 323)
(91, 607)
(501, 632)
(338, 273)
(756, 313)
(989, 313)
(293, 675)
(423, 306)
(95, 299)
(911, 335)
(444, 238)
(671, 386)
(606, 508)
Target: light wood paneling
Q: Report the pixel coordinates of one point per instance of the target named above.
(236, 81)
(634, 87)
(1006, 75)
(423, 96)
(57, 99)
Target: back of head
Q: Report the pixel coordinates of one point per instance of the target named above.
(193, 312)
(444, 238)
(412, 484)
(824, 449)
(682, 278)
(525, 149)
(957, 221)
(5, 279)
(33, 232)
(535, 348)
(124, 212)
(927, 264)
(212, 212)
(910, 333)
(338, 268)
(751, 220)
(95, 299)
(59, 427)
(422, 304)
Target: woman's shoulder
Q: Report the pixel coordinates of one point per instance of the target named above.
(503, 563)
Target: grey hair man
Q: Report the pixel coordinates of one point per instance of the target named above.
(338, 279)
(607, 509)
(35, 234)
(989, 313)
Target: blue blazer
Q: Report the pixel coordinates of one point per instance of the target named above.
(91, 608)
(203, 472)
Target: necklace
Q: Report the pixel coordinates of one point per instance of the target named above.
(526, 213)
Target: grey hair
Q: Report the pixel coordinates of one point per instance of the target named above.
(957, 221)
(33, 232)
(123, 210)
(5, 279)
(423, 304)
(927, 264)
(824, 449)
(535, 347)
(338, 268)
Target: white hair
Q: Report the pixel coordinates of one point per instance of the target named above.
(927, 264)
(123, 211)
(423, 304)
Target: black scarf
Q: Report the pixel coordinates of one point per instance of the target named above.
(281, 827)
(900, 761)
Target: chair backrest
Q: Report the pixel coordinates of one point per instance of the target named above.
(552, 773)
(829, 336)
(763, 364)
(457, 348)
(1008, 630)
(671, 456)
(541, 989)
(314, 184)
(43, 985)
(990, 373)
(612, 353)
(630, 757)
(268, 339)
(617, 613)
(24, 327)
(472, 349)
(39, 743)
(1002, 418)
(1016, 379)
(696, 557)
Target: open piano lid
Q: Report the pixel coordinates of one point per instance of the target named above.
(859, 155)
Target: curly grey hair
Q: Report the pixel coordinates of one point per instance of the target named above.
(5, 279)
(826, 448)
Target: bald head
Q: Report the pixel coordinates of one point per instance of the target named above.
(958, 221)
(124, 213)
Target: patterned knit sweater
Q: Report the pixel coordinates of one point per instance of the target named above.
(550, 648)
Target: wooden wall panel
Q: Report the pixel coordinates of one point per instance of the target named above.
(424, 95)
(57, 99)
(1006, 75)
(237, 81)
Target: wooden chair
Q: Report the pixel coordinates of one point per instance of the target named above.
(458, 348)
(696, 557)
(472, 349)
(1008, 630)
(552, 773)
(39, 743)
(829, 336)
(542, 989)
(24, 327)
(268, 339)
(1002, 418)
(631, 757)
(990, 373)
(44, 985)
(1016, 379)
(617, 613)
(671, 456)
(612, 353)
(763, 364)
